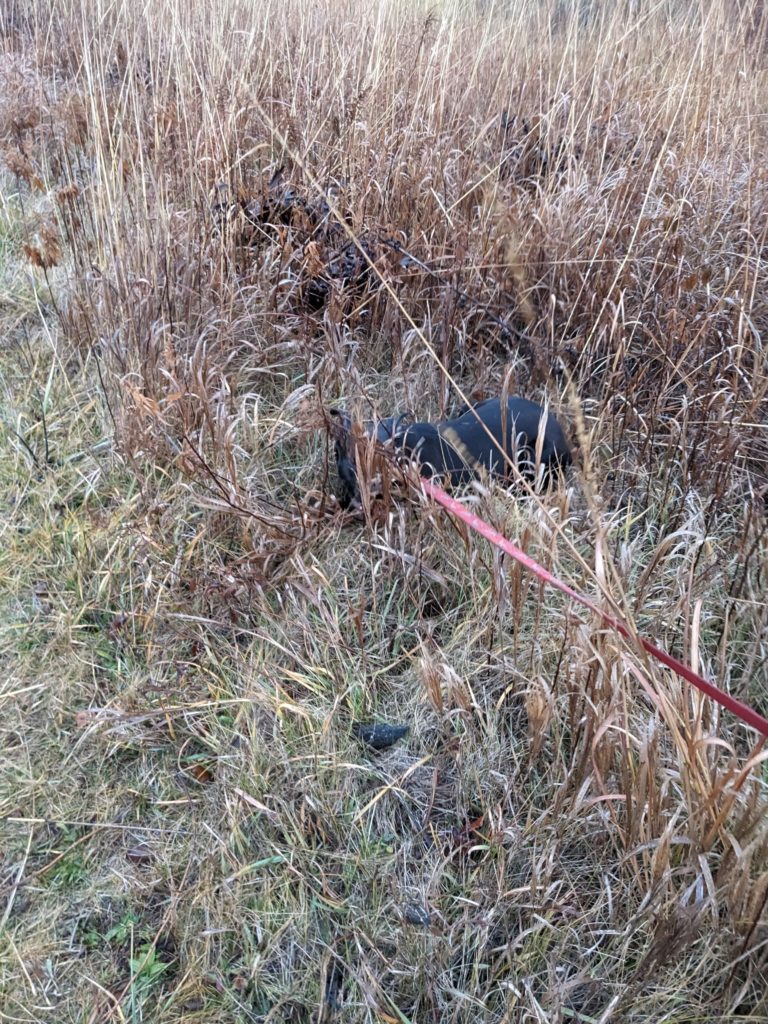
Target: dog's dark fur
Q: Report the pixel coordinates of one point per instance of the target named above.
(484, 438)
(380, 431)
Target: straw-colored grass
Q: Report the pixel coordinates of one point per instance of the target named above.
(568, 199)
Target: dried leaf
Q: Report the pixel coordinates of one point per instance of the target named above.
(201, 772)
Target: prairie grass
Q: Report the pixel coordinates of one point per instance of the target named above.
(565, 198)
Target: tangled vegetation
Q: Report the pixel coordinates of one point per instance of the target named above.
(218, 221)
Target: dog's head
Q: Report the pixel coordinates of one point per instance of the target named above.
(346, 435)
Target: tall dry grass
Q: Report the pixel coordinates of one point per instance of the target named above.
(566, 197)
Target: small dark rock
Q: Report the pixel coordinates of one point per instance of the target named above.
(379, 735)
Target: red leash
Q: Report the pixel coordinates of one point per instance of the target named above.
(743, 711)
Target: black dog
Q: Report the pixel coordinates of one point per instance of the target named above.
(486, 438)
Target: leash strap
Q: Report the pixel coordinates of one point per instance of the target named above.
(737, 707)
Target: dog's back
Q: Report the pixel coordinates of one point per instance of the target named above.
(486, 438)
(516, 426)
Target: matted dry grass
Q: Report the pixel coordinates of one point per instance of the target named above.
(569, 199)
